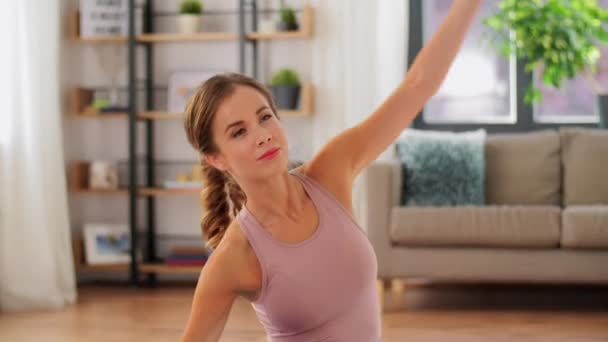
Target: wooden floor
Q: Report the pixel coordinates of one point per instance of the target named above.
(431, 312)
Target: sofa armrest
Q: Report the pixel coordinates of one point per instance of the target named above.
(382, 184)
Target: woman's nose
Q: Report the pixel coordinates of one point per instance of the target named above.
(264, 139)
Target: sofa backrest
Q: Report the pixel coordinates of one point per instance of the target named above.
(585, 166)
(523, 169)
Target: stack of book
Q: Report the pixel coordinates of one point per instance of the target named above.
(187, 256)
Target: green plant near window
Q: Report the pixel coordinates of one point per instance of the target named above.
(285, 77)
(288, 15)
(191, 7)
(559, 38)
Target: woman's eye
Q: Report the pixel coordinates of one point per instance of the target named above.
(238, 133)
(266, 117)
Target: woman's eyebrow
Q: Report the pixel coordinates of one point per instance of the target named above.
(236, 123)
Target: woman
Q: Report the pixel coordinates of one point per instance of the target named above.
(286, 240)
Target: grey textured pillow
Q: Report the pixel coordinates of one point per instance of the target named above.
(442, 168)
(585, 161)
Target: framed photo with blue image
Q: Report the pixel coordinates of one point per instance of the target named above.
(107, 243)
(182, 85)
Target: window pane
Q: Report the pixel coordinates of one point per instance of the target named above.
(477, 88)
(575, 101)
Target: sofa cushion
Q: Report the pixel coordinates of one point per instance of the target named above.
(489, 226)
(442, 168)
(585, 226)
(585, 160)
(523, 168)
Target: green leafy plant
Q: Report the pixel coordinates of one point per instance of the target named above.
(191, 7)
(285, 77)
(288, 15)
(559, 38)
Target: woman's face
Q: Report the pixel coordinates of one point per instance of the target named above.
(244, 129)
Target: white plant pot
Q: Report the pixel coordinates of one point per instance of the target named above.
(189, 23)
(267, 26)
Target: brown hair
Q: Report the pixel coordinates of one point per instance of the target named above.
(222, 197)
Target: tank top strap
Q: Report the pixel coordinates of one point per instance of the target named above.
(314, 189)
(326, 199)
(322, 196)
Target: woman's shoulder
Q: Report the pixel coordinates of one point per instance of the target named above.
(335, 184)
(234, 253)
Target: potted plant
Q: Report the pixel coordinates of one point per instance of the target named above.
(558, 38)
(190, 16)
(285, 87)
(288, 21)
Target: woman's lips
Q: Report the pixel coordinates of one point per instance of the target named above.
(270, 154)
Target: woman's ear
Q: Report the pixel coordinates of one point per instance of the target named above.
(217, 161)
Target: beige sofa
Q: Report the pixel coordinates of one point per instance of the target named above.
(545, 218)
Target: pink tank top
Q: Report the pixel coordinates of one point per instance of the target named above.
(320, 289)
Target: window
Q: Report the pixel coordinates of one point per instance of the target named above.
(485, 90)
(576, 101)
(478, 86)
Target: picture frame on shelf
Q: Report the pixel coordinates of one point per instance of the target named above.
(182, 85)
(103, 175)
(108, 18)
(107, 243)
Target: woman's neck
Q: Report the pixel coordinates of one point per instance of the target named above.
(275, 200)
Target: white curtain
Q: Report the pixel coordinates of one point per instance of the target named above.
(36, 265)
(359, 57)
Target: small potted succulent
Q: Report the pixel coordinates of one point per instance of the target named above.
(190, 16)
(559, 39)
(285, 87)
(288, 21)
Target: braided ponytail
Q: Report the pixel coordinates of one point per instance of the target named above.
(216, 217)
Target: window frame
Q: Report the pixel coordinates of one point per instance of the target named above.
(524, 113)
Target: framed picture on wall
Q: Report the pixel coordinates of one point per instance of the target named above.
(107, 243)
(182, 85)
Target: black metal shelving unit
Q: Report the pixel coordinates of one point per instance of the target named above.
(245, 9)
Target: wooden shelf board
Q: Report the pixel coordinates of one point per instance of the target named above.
(143, 268)
(99, 40)
(159, 115)
(306, 31)
(152, 115)
(142, 191)
(165, 192)
(279, 35)
(103, 268)
(100, 191)
(177, 37)
(162, 268)
(292, 113)
(170, 116)
(100, 115)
